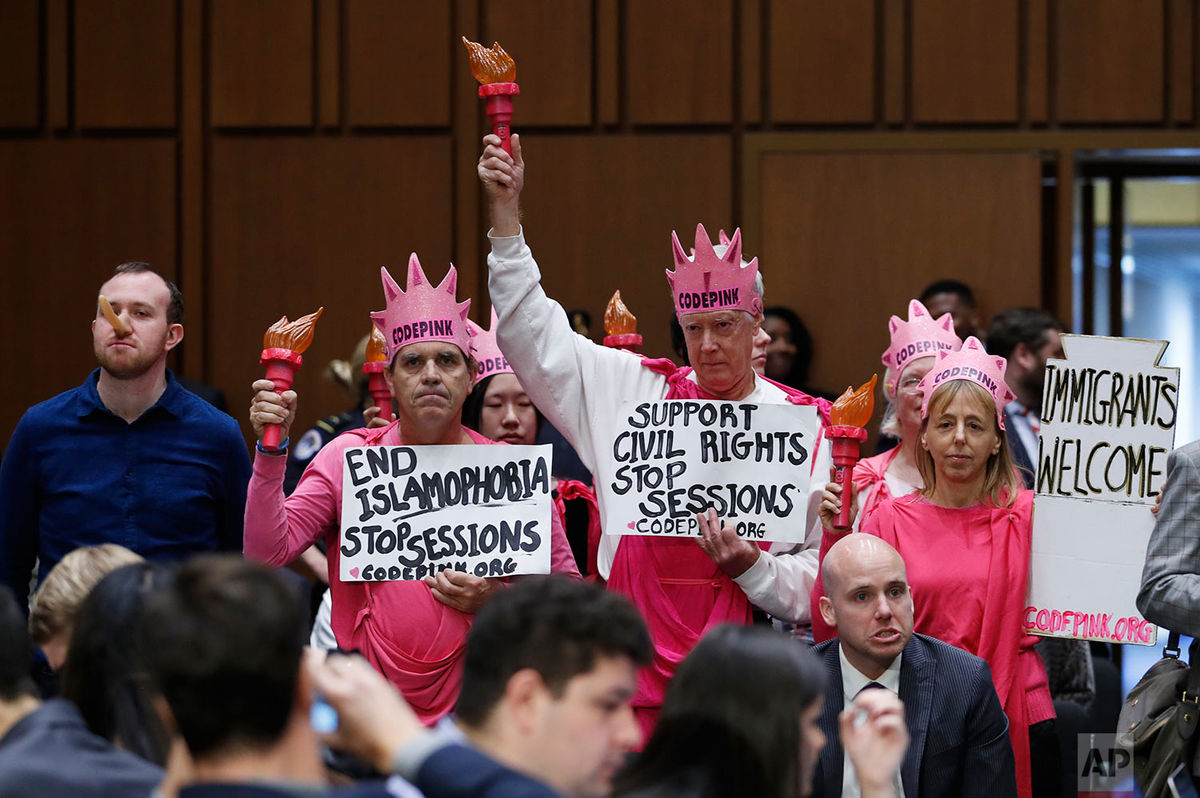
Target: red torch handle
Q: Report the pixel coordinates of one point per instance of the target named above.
(377, 385)
(844, 442)
(499, 109)
(282, 373)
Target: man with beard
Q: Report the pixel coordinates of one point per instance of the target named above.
(128, 457)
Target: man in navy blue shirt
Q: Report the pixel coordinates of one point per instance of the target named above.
(128, 457)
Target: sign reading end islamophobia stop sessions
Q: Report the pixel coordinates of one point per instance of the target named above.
(677, 458)
(412, 511)
(1108, 424)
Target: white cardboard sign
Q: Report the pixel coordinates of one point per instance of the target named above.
(675, 458)
(1108, 424)
(411, 511)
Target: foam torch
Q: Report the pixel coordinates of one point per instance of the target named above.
(620, 326)
(283, 344)
(374, 367)
(497, 74)
(847, 419)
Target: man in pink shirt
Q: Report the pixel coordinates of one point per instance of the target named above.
(411, 631)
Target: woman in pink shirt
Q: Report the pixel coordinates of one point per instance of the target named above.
(965, 539)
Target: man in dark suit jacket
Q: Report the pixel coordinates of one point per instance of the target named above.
(959, 734)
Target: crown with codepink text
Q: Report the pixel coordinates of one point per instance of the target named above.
(487, 351)
(422, 313)
(920, 336)
(708, 281)
(974, 364)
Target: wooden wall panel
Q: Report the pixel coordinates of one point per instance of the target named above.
(680, 59)
(298, 223)
(398, 62)
(1110, 61)
(552, 46)
(19, 72)
(262, 63)
(964, 61)
(894, 222)
(73, 210)
(125, 63)
(599, 213)
(894, 84)
(822, 61)
(1183, 59)
(1037, 78)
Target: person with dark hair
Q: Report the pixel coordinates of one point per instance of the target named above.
(45, 748)
(959, 734)
(966, 538)
(1026, 338)
(550, 669)
(956, 298)
(128, 457)
(105, 672)
(789, 352)
(740, 718)
(224, 644)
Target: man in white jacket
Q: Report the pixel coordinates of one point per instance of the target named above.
(682, 586)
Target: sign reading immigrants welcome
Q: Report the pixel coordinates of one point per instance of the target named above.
(750, 462)
(1108, 424)
(411, 511)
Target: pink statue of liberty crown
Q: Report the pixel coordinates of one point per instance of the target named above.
(709, 281)
(972, 363)
(920, 336)
(423, 313)
(487, 351)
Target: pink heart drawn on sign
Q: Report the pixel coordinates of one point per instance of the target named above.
(354, 572)
(631, 524)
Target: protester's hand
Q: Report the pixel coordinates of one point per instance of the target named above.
(831, 503)
(374, 721)
(372, 420)
(270, 407)
(503, 177)
(719, 541)
(877, 743)
(1158, 501)
(464, 592)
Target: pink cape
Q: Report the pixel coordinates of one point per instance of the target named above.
(679, 590)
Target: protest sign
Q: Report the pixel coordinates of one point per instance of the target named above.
(1108, 424)
(411, 511)
(750, 462)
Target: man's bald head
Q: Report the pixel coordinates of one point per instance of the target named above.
(867, 599)
(855, 548)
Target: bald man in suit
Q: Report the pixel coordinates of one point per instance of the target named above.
(959, 734)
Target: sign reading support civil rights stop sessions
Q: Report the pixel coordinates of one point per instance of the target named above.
(411, 511)
(1108, 424)
(750, 462)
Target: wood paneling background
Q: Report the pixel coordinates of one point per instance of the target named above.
(272, 155)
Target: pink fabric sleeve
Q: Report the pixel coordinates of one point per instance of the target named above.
(277, 532)
(562, 560)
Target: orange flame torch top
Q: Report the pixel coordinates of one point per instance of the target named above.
(295, 336)
(617, 318)
(854, 407)
(376, 347)
(116, 321)
(490, 66)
